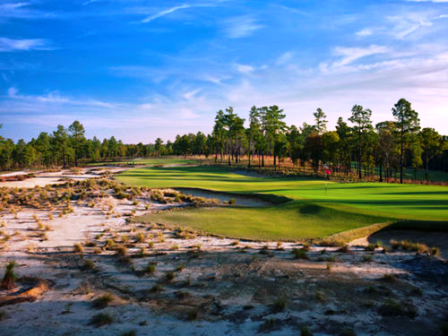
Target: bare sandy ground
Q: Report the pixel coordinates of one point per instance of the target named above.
(203, 285)
(43, 179)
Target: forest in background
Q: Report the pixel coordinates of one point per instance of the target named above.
(356, 147)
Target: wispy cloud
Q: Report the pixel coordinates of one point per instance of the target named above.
(364, 32)
(164, 12)
(7, 44)
(54, 97)
(244, 68)
(350, 55)
(22, 10)
(241, 26)
(284, 58)
(293, 10)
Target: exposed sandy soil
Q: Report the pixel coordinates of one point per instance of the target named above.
(43, 179)
(218, 286)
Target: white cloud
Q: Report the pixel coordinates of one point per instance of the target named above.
(22, 10)
(241, 26)
(244, 69)
(190, 94)
(350, 55)
(364, 32)
(54, 97)
(8, 45)
(284, 58)
(405, 25)
(146, 107)
(163, 13)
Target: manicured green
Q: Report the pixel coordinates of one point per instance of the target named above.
(150, 161)
(317, 208)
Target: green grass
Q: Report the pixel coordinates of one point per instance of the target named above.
(317, 208)
(150, 161)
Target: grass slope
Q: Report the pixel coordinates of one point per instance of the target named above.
(318, 208)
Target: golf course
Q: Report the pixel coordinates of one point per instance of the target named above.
(300, 208)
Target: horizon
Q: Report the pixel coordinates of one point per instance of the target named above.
(130, 68)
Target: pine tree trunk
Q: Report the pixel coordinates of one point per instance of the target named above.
(401, 158)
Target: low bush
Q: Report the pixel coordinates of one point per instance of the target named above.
(101, 319)
(102, 301)
(300, 254)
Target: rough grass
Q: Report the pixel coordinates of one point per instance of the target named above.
(317, 208)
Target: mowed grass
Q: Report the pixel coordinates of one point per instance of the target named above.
(317, 208)
(284, 222)
(150, 161)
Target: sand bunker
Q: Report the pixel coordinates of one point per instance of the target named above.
(240, 200)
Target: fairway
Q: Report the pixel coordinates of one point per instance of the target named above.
(316, 209)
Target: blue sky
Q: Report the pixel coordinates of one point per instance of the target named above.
(141, 69)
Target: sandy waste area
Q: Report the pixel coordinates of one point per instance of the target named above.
(91, 268)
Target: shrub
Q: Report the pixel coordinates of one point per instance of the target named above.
(232, 201)
(435, 251)
(366, 258)
(320, 297)
(305, 331)
(389, 277)
(141, 237)
(121, 250)
(156, 288)
(88, 264)
(101, 319)
(370, 247)
(78, 248)
(192, 315)
(9, 279)
(279, 304)
(129, 333)
(141, 252)
(300, 254)
(394, 308)
(169, 276)
(347, 332)
(150, 268)
(344, 249)
(110, 244)
(102, 301)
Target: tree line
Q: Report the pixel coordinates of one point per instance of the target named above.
(66, 147)
(356, 145)
(379, 149)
